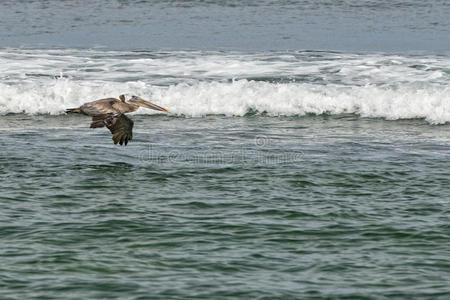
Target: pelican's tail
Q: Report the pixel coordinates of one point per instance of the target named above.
(73, 111)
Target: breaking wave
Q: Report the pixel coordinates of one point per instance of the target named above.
(198, 83)
(237, 98)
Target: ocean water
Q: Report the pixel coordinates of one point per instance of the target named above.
(306, 154)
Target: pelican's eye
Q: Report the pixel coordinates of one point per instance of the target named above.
(134, 98)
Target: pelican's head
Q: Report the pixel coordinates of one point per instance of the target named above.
(135, 100)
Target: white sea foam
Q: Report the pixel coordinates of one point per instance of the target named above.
(164, 68)
(230, 83)
(238, 98)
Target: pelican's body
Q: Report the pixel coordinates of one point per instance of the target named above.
(110, 112)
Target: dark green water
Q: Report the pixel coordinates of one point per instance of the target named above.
(223, 208)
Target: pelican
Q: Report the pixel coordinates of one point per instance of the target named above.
(110, 112)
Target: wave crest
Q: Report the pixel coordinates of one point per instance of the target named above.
(430, 102)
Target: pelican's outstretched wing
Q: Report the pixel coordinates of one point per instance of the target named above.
(121, 127)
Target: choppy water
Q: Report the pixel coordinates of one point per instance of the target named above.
(280, 173)
(217, 207)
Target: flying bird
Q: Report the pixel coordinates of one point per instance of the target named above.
(110, 112)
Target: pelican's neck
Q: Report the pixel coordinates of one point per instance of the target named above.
(125, 107)
(132, 107)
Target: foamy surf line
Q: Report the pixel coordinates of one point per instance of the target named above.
(237, 98)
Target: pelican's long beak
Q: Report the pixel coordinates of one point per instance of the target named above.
(147, 104)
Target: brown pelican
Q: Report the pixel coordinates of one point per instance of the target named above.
(110, 112)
